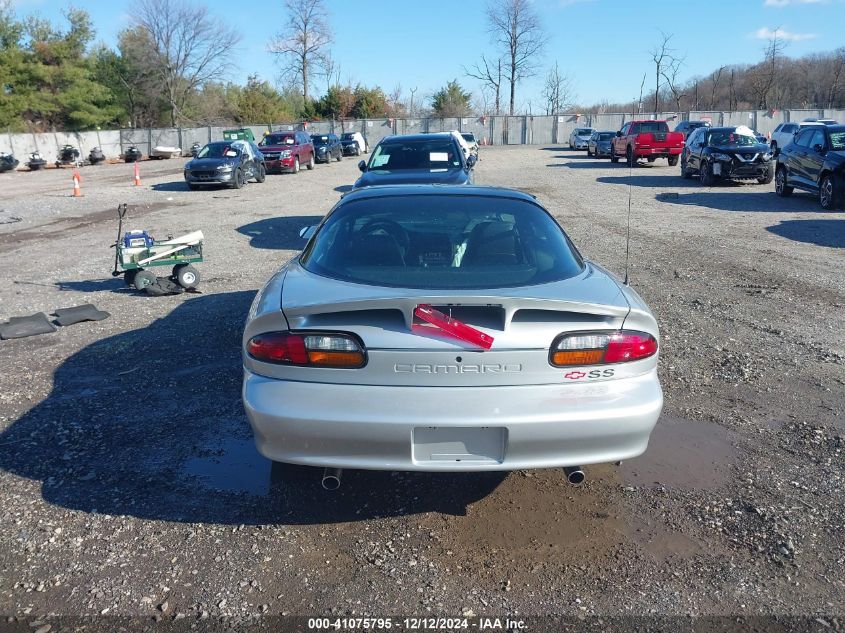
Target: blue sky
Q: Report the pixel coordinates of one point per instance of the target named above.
(602, 44)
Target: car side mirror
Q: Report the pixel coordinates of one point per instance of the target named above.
(818, 147)
(471, 161)
(619, 133)
(362, 166)
(306, 232)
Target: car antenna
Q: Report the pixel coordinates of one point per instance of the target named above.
(628, 228)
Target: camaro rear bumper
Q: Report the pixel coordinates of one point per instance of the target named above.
(451, 428)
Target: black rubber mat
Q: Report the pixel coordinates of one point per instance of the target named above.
(21, 327)
(77, 314)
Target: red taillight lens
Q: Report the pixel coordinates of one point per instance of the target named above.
(311, 349)
(627, 346)
(601, 348)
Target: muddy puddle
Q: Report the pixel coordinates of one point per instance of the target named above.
(684, 455)
(232, 465)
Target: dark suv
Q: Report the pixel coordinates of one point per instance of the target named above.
(225, 163)
(814, 161)
(688, 126)
(726, 153)
(287, 151)
(417, 159)
(327, 146)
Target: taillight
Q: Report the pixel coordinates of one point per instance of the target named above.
(307, 349)
(601, 348)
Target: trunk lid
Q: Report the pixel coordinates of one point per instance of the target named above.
(403, 350)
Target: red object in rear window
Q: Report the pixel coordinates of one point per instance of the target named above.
(453, 327)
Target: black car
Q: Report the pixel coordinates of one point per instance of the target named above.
(814, 161)
(417, 159)
(688, 126)
(726, 153)
(326, 147)
(229, 163)
(353, 143)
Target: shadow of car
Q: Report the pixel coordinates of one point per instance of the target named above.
(148, 423)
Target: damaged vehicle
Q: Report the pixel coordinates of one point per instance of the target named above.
(448, 328)
(231, 163)
(726, 153)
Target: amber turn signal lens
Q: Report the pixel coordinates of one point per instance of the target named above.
(578, 357)
(336, 359)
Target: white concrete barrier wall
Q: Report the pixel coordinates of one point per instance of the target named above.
(494, 130)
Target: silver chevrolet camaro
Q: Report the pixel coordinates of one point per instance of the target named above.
(437, 328)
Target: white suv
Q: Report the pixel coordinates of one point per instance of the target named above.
(782, 136)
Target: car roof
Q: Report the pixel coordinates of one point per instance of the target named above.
(383, 191)
(417, 137)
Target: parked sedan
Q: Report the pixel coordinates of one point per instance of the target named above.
(326, 147)
(600, 144)
(417, 158)
(814, 162)
(230, 163)
(448, 329)
(579, 138)
(726, 153)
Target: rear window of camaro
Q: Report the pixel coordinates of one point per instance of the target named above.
(441, 242)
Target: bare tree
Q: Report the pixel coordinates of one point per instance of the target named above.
(516, 28)
(190, 47)
(302, 46)
(330, 71)
(557, 91)
(764, 75)
(640, 102)
(835, 76)
(490, 74)
(671, 72)
(412, 108)
(660, 55)
(717, 76)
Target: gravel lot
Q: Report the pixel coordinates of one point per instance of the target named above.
(129, 484)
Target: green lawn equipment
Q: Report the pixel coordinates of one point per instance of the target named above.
(135, 251)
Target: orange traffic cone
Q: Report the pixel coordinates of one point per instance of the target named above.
(77, 191)
(137, 182)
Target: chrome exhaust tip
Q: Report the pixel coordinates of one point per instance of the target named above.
(331, 478)
(574, 475)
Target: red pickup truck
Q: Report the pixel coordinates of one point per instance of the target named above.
(646, 139)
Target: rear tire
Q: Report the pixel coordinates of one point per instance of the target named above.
(613, 157)
(828, 194)
(673, 160)
(339, 156)
(296, 165)
(186, 276)
(261, 176)
(630, 157)
(768, 178)
(782, 187)
(589, 152)
(143, 278)
(310, 164)
(684, 171)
